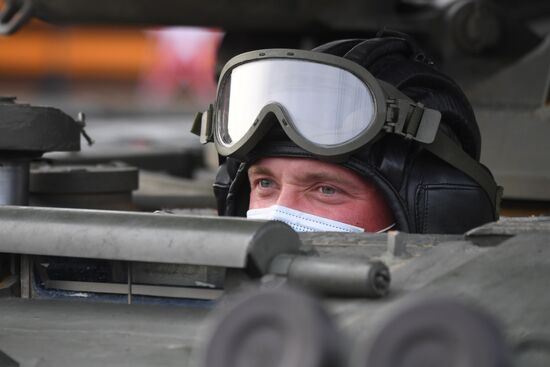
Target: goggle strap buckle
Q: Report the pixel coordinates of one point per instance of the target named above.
(412, 120)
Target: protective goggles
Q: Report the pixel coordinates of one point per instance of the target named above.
(327, 105)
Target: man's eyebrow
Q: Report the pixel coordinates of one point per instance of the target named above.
(326, 177)
(259, 170)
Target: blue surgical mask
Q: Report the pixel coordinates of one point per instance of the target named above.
(303, 222)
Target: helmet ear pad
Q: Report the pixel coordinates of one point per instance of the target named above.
(431, 195)
(442, 199)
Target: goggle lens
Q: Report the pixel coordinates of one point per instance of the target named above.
(327, 105)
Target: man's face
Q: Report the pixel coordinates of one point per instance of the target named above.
(319, 188)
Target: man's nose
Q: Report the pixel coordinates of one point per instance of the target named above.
(289, 197)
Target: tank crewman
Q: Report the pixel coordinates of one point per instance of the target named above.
(354, 135)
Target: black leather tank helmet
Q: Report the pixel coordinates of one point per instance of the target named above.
(425, 193)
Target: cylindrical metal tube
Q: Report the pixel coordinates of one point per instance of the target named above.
(157, 238)
(14, 182)
(337, 277)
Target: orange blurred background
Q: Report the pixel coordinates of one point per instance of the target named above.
(40, 49)
(160, 63)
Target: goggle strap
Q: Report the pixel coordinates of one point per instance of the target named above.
(446, 149)
(414, 117)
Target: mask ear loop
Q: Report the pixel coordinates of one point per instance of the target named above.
(386, 229)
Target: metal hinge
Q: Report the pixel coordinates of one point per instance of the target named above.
(202, 125)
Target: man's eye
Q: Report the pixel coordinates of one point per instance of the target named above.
(327, 190)
(265, 183)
